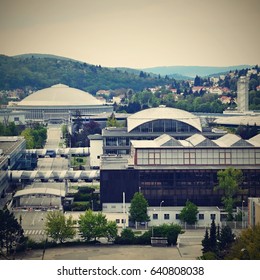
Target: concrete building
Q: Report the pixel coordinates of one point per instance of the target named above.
(164, 215)
(14, 148)
(96, 150)
(7, 116)
(12, 156)
(59, 103)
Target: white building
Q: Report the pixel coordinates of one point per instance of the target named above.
(96, 150)
(163, 215)
(59, 102)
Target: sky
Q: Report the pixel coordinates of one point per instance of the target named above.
(134, 33)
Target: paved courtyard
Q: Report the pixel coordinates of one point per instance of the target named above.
(115, 252)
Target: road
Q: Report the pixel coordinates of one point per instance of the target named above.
(58, 163)
(33, 221)
(53, 136)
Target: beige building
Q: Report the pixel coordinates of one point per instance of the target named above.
(253, 211)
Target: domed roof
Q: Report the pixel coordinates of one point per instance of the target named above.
(59, 95)
(162, 113)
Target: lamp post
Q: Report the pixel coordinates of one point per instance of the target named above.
(124, 210)
(161, 207)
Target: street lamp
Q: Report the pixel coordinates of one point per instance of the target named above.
(161, 205)
(161, 208)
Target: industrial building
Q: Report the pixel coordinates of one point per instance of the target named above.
(171, 170)
(147, 125)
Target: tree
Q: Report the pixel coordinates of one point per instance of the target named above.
(11, 232)
(247, 245)
(28, 137)
(197, 81)
(206, 242)
(59, 227)
(111, 231)
(93, 226)
(127, 237)
(213, 237)
(229, 182)
(226, 239)
(112, 121)
(189, 213)
(138, 208)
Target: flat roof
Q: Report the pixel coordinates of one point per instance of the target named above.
(9, 144)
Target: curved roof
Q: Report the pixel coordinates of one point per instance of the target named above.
(162, 113)
(43, 191)
(60, 95)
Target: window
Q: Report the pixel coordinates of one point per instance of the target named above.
(117, 221)
(177, 216)
(201, 216)
(212, 216)
(155, 216)
(166, 216)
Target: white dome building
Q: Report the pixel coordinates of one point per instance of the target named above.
(163, 119)
(151, 123)
(59, 102)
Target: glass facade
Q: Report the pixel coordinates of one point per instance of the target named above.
(45, 113)
(165, 126)
(198, 156)
(174, 187)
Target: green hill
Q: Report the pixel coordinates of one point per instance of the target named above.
(192, 71)
(38, 71)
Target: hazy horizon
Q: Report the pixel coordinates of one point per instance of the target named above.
(134, 34)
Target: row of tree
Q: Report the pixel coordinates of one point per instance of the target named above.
(35, 136)
(91, 226)
(223, 244)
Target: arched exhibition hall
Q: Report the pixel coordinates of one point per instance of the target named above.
(58, 103)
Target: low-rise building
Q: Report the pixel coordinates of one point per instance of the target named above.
(174, 171)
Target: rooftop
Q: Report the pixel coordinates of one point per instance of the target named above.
(158, 113)
(197, 140)
(59, 95)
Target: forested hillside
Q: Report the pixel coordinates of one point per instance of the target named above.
(43, 71)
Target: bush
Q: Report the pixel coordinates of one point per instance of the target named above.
(127, 237)
(170, 231)
(209, 256)
(144, 239)
(79, 206)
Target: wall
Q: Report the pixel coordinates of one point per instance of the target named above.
(96, 150)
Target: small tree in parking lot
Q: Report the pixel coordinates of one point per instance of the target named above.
(59, 227)
(95, 225)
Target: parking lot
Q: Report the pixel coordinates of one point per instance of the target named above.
(115, 252)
